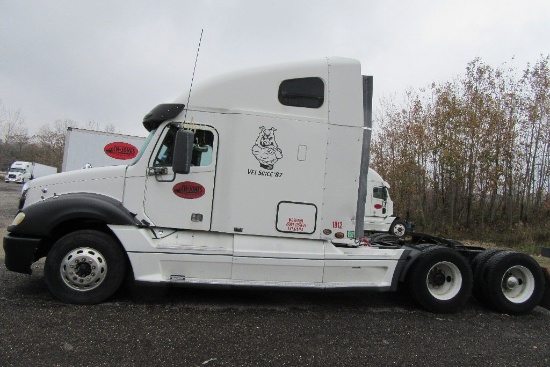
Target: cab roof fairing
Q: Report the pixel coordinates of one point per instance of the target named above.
(256, 89)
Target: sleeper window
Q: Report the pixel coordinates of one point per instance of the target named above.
(302, 92)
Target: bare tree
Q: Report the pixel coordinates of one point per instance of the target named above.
(110, 128)
(52, 141)
(13, 135)
(470, 152)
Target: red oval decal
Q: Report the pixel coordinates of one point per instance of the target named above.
(189, 190)
(120, 150)
(377, 206)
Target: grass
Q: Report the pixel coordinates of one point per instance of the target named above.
(532, 250)
(520, 238)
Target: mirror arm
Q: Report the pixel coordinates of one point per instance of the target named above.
(154, 171)
(160, 171)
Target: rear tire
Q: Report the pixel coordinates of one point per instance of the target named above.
(85, 267)
(515, 283)
(440, 280)
(480, 274)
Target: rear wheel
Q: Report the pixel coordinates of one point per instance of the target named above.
(85, 267)
(440, 280)
(515, 282)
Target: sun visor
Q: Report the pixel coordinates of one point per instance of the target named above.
(161, 113)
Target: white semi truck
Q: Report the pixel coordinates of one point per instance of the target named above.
(21, 172)
(259, 181)
(90, 148)
(379, 214)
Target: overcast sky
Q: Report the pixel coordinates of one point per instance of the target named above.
(112, 61)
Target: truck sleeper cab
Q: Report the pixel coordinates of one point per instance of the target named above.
(255, 188)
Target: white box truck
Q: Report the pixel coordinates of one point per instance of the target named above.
(258, 182)
(21, 172)
(89, 148)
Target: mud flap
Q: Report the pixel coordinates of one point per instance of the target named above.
(545, 302)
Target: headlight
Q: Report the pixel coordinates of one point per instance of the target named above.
(18, 219)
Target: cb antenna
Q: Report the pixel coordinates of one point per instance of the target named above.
(193, 77)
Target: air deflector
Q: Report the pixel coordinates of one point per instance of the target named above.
(161, 113)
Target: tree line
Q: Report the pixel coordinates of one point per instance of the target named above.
(44, 147)
(471, 153)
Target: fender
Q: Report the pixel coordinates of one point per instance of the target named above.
(410, 256)
(43, 216)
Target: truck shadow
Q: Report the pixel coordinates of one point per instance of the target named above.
(23, 287)
(243, 298)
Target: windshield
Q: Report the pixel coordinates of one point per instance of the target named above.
(17, 170)
(143, 147)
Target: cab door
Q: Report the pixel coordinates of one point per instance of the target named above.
(182, 201)
(379, 198)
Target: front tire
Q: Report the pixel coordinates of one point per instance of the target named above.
(398, 228)
(440, 280)
(85, 267)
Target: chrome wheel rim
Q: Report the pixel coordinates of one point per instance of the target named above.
(444, 280)
(399, 230)
(83, 269)
(518, 284)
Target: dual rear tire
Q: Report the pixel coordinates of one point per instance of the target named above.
(441, 280)
(508, 282)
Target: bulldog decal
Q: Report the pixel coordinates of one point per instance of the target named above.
(266, 150)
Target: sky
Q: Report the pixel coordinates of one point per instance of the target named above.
(111, 62)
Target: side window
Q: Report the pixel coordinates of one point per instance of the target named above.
(166, 151)
(380, 193)
(302, 92)
(202, 148)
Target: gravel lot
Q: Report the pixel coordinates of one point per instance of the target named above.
(192, 327)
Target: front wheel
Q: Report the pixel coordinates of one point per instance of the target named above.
(85, 267)
(398, 228)
(440, 280)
